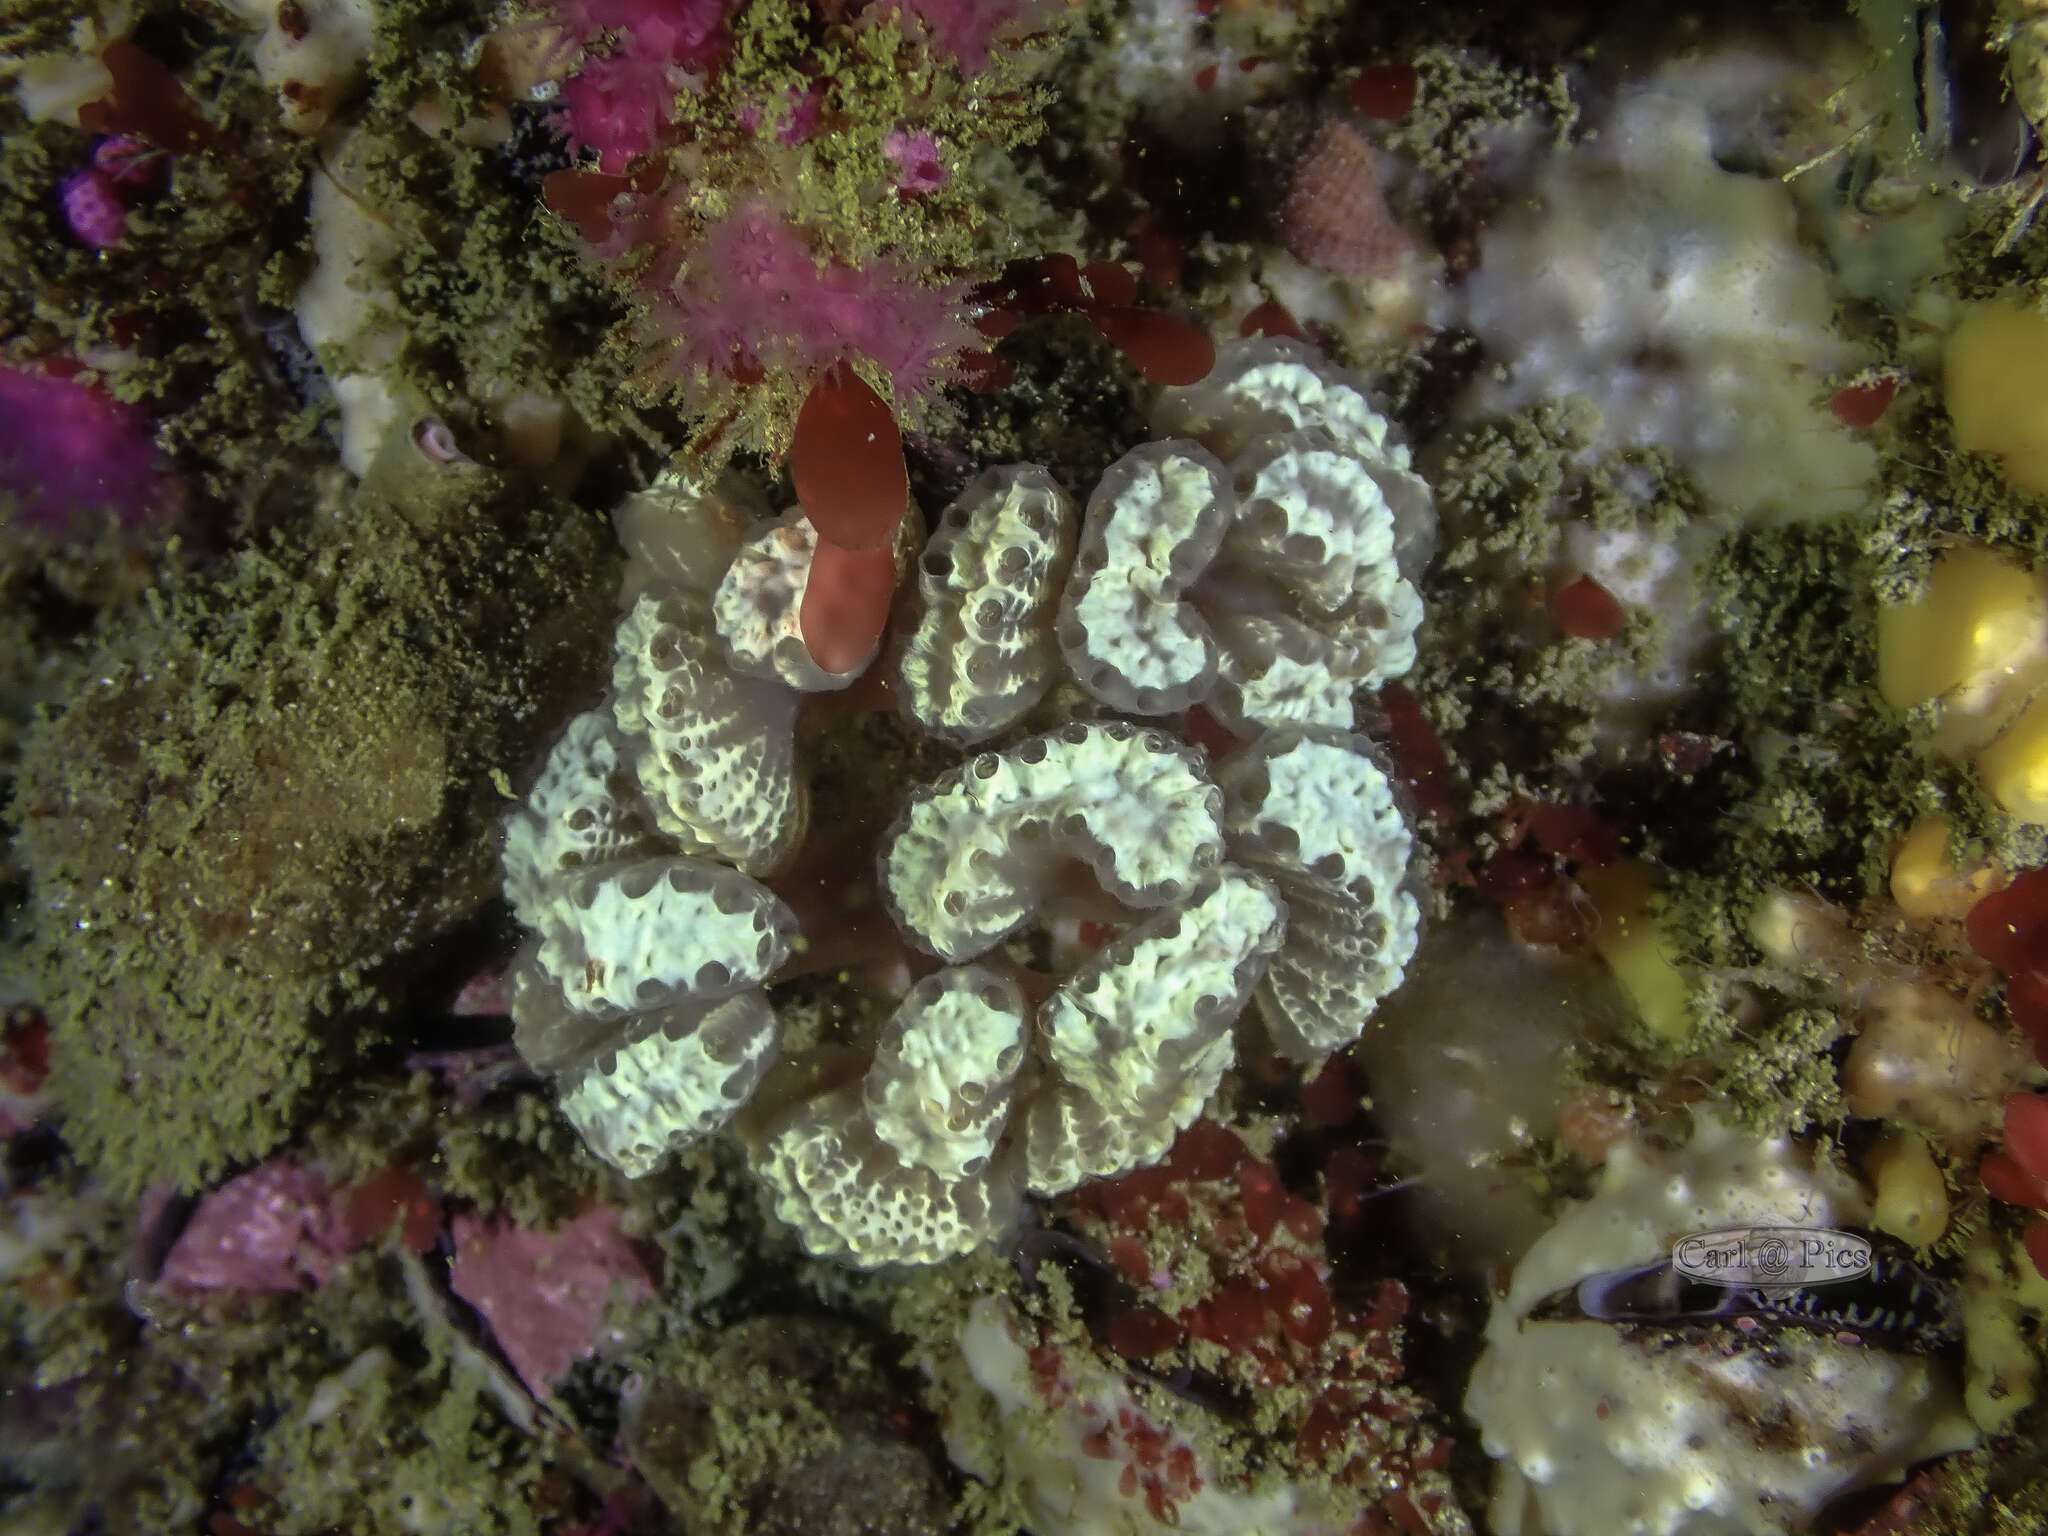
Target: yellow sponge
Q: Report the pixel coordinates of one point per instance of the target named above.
(2014, 768)
(1635, 940)
(1926, 883)
(1911, 1196)
(1979, 612)
(1996, 386)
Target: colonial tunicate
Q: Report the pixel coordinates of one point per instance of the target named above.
(1600, 1428)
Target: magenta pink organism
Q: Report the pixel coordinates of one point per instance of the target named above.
(73, 460)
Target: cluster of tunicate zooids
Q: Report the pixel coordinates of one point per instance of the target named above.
(1257, 561)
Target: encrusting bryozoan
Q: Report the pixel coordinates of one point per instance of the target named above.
(640, 994)
(1268, 585)
(914, 1164)
(583, 810)
(1314, 539)
(939, 1088)
(990, 582)
(624, 938)
(1126, 628)
(719, 772)
(1144, 1028)
(1309, 808)
(1272, 384)
(969, 860)
(697, 1063)
(907, 1166)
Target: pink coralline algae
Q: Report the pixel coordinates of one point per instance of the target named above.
(544, 1293)
(270, 1229)
(73, 459)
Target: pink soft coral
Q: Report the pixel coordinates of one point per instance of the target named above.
(620, 101)
(753, 296)
(965, 31)
(616, 108)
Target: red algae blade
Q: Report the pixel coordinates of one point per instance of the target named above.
(847, 462)
(1166, 350)
(845, 604)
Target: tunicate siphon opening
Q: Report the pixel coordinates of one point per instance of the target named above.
(712, 974)
(1033, 751)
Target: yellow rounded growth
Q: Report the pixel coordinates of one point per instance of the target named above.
(1979, 613)
(2001, 1295)
(1635, 941)
(1995, 380)
(1911, 1196)
(2014, 768)
(1926, 883)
